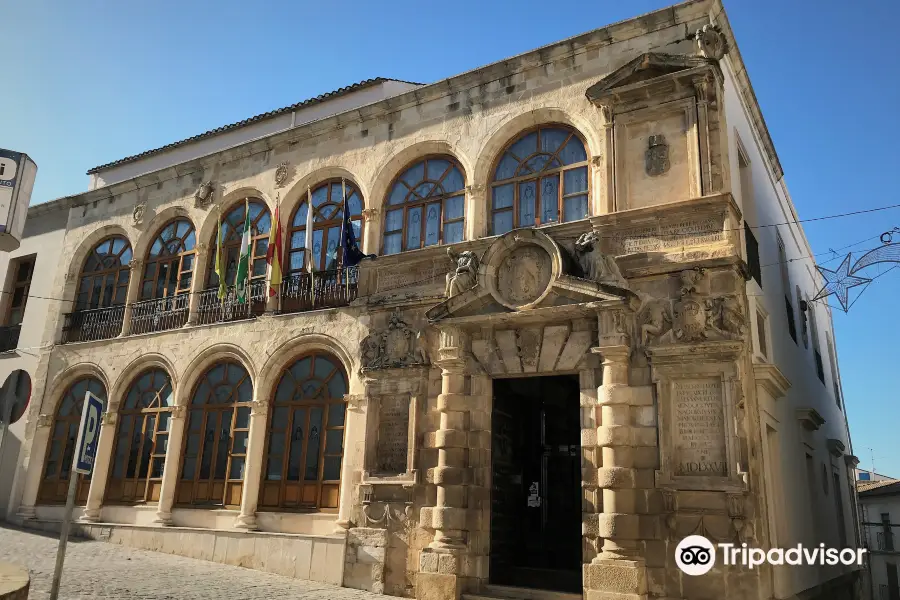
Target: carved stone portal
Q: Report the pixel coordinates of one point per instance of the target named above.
(395, 346)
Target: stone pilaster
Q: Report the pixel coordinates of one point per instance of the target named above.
(35, 466)
(440, 574)
(253, 473)
(619, 570)
(100, 474)
(371, 242)
(171, 466)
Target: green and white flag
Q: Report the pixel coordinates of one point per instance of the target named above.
(242, 280)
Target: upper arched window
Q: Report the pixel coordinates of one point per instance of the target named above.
(61, 445)
(104, 277)
(143, 436)
(170, 261)
(306, 436)
(232, 232)
(425, 206)
(215, 446)
(328, 214)
(540, 175)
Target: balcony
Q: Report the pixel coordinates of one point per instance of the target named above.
(324, 289)
(93, 324)
(159, 314)
(299, 293)
(213, 310)
(9, 337)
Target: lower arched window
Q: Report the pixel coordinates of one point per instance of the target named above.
(305, 442)
(142, 439)
(215, 445)
(57, 468)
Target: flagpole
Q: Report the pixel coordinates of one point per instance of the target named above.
(309, 248)
(280, 266)
(343, 234)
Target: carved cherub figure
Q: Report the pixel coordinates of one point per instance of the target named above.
(465, 275)
(655, 322)
(596, 265)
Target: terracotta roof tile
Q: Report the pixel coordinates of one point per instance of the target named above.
(867, 486)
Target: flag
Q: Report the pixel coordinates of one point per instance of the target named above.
(242, 280)
(352, 253)
(310, 259)
(220, 262)
(273, 254)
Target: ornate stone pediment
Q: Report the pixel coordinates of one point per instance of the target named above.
(644, 68)
(526, 269)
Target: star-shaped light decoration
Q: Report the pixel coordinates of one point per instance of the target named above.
(839, 282)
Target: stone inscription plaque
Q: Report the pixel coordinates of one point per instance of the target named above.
(699, 447)
(670, 235)
(393, 435)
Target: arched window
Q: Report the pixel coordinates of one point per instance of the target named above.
(55, 484)
(141, 440)
(425, 206)
(170, 261)
(104, 277)
(306, 436)
(540, 175)
(328, 214)
(215, 447)
(232, 232)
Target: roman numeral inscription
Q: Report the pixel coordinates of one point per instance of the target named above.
(699, 436)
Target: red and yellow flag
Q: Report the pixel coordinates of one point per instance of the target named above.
(273, 254)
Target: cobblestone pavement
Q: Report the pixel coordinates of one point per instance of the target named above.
(101, 570)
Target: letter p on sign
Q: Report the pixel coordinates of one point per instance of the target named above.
(88, 434)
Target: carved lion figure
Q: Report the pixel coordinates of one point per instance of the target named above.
(595, 265)
(465, 275)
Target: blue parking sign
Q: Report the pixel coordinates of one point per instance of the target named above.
(88, 434)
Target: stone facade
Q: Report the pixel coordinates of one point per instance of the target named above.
(645, 301)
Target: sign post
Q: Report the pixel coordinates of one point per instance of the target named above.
(82, 463)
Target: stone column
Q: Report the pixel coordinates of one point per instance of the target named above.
(100, 474)
(619, 571)
(253, 468)
(171, 466)
(439, 576)
(478, 224)
(35, 466)
(197, 283)
(134, 289)
(371, 242)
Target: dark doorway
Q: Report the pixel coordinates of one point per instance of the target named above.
(536, 491)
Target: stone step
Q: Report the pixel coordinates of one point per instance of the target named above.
(508, 592)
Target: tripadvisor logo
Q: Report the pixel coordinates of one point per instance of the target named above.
(696, 555)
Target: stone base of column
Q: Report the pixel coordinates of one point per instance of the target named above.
(247, 522)
(163, 518)
(341, 526)
(609, 579)
(26, 513)
(90, 515)
(439, 575)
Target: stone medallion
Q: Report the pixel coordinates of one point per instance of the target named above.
(524, 276)
(520, 267)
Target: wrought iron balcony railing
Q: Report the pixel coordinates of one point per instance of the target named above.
(213, 310)
(9, 337)
(324, 289)
(159, 314)
(93, 324)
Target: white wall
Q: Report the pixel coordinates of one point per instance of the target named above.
(43, 236)
(254, 131)
(809, 509)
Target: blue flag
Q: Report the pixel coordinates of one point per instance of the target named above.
(352, 253)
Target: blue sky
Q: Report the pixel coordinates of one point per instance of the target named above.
(88, 82)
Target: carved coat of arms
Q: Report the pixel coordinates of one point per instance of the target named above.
(395, 346)
(656, 159)
(204, 194)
